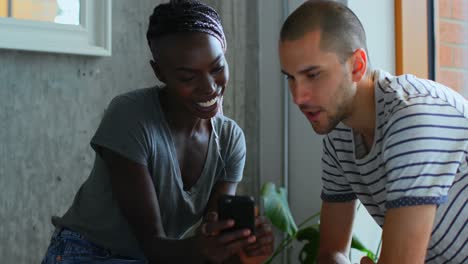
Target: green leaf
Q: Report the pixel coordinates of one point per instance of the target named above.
(310, 233)
(357, 244)
(309, 252)
(277, 209)
(372, 256)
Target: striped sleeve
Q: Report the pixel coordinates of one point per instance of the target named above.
(335, 186)
(423, 150)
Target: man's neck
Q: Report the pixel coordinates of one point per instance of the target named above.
(362, 118)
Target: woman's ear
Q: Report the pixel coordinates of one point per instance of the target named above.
(157, 71)
(359, 66)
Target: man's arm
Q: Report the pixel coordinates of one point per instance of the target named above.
(336, 224)
(406, 234)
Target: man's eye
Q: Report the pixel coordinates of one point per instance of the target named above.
(288, 77)
(313, 75)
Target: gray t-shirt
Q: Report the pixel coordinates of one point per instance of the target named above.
(135, 127)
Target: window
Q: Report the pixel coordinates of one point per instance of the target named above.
(412, 39)
(432, 40)
(451, 42)
(61, 26)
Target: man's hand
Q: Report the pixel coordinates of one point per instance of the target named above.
(333, 258)
(217, 246)
(366, 260)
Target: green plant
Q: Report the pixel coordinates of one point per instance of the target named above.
(277, 210)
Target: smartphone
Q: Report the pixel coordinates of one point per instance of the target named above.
(239, 208)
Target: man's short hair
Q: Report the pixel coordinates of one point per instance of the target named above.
(340, 29)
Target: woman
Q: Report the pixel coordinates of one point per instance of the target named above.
(163, 157)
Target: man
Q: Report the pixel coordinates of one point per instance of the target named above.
(397, 143)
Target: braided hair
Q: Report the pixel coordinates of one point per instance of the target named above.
(184, 16)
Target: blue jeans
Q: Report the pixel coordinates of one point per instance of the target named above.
(69, 247)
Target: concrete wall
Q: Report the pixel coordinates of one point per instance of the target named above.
(50, 106)
(240, 20)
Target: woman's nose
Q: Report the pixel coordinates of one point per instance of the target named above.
(209, 85)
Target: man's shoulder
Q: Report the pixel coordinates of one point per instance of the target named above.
(408, 94)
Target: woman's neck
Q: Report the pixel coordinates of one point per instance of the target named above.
(178, 119)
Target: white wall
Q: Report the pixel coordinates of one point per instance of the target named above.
(379, 23)
(291, 156)
(380, 29)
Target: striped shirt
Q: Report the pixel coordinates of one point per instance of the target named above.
(419, 156)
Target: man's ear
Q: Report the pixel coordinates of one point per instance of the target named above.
(157, 71)
(359, 64)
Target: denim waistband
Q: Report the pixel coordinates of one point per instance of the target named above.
(63, 231)
(76, 248)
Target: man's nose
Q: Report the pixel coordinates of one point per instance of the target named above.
(300, 93)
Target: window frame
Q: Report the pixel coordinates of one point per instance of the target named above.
(415, 34)
(92, 37)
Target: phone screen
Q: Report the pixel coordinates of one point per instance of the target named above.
(239, 208)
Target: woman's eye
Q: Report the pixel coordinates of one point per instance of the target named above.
(186, 79)
(218, 69)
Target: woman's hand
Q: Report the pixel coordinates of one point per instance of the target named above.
(265, 240)
(217, 246)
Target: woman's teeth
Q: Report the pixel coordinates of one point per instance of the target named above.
(208, 103)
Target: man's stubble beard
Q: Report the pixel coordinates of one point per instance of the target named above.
(342, 108)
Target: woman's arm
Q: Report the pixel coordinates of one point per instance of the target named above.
(258, 251)
(133, 188)
(219, 189)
